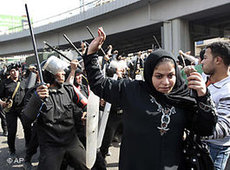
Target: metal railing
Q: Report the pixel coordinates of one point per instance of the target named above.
(67, 14)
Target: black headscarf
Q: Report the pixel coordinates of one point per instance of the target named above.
(179, 96)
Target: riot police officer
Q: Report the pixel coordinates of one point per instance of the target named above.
(12, 92)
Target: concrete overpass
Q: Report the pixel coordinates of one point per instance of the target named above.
(131, 24)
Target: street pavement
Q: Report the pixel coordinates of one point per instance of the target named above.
(16, 163)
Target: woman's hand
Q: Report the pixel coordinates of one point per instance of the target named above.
(196, 82)
(96, 44)
(43, 91)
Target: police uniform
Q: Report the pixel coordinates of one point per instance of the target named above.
(6, 91)
(3, 122)
(56, 127)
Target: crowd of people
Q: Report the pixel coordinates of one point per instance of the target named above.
(155, 97)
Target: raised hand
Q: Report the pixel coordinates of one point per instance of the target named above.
(96, 44)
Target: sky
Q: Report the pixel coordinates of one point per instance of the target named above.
(38, 9)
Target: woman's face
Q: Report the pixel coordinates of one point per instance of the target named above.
(164, 77)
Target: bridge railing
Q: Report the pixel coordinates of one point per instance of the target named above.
(67, 14)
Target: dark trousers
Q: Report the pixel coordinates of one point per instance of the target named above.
(33, 144)
(114, 122)
(3, 121)
(11, 119)
(100, 161)
(51, 157)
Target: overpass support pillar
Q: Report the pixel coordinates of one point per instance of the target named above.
(175, 36)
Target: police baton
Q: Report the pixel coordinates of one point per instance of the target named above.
(70, 42)
(34, 46)
(79, 66)
(56, 50)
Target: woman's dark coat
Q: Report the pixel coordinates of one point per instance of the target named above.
(143, 147)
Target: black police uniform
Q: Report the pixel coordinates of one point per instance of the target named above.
(6, 91)
(3, 122)
(56, 127)
(33, 144)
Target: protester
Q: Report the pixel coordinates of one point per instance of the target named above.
(56, 130)
(156, 110)
(216, 64)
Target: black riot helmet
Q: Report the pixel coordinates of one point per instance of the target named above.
(14, 66)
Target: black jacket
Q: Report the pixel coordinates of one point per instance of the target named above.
(143, 147)
(55, 116)
(7, 88)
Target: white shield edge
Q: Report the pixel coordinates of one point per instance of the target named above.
(92, 129)
(102, 124)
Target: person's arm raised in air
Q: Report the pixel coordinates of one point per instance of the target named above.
(189, 57)
(71, 76)
(106, 88)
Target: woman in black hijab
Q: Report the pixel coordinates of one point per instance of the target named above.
(156, 110)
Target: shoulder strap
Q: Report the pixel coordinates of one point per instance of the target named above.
(15, 90)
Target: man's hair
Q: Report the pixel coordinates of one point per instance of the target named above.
(202, 53)
(221, 49)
